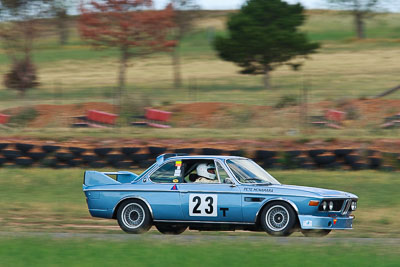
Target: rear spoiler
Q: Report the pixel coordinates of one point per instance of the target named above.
(92, 178)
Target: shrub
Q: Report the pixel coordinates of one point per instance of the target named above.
(287, 100)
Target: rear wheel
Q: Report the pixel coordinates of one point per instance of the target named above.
(315, 233)
(134, 217)
(278, 219)
(171, 229)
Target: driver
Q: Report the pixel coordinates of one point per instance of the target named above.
(206, 173)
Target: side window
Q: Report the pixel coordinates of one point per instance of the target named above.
(168, 173)
(222, 174)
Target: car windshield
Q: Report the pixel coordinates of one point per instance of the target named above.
(247, 171)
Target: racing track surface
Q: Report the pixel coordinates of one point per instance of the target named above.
(205, 237)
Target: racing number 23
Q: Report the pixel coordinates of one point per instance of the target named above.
(203, 205)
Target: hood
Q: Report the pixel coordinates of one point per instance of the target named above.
(318, 191)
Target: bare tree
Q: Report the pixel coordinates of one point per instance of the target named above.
(185, 12)
(361, 10)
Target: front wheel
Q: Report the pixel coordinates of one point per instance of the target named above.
(278, 219)
(315, 233)
(171, 229)
(134, 217)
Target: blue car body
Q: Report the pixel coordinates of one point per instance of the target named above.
(235, 203)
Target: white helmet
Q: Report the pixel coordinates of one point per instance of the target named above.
(206, 171)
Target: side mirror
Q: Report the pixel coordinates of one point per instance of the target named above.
(229, 181)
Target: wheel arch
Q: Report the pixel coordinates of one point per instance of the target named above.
(115, 210)
(291, 203)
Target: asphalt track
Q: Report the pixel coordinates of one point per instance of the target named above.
(206, 238)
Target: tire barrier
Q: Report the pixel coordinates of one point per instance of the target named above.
(2, 161)
(58, 156)
(238, 153)
(184, 151)
(157, 150)
(24, 148)
(127, 151)
(264, 154)
(50, 148)
(24, 162)
(77, 151)
(3, 145)
(102, 151)
(212, 151)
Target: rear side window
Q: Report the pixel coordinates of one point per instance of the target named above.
(168, 173)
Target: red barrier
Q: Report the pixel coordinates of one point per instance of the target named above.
(157, 115)
(101, 116)
(335, 115)
(4, 118)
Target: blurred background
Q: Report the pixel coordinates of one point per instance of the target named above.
(309, 89)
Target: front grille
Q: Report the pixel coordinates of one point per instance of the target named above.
(347, 206)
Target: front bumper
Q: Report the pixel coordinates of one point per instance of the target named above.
(315, 222)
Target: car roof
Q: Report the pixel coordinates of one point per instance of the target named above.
(205, 157)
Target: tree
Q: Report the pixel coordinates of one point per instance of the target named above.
(59, 10)
(131, 26)
(264, 35)
(185, 12)
(22, 76)
(18, 31)
(360, 9)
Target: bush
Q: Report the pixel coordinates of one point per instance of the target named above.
(286, 101)
(22, 76)
(22, 118)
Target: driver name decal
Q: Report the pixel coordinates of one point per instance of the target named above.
(258, 190)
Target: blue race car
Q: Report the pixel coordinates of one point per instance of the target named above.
(214, 193)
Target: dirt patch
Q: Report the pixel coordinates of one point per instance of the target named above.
(60, 115)
(360, 113)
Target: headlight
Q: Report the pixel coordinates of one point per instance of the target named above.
(353, 205)
(324, 205)
(330, 205)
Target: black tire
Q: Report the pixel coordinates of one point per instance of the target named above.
(11, 154)
(3, 145)
(315, 233)
(102, 151)
(315, 152)
(24, 148)
(155, 151)
(37, 156)
(77, 151)
(342, 152)
(129, 150)
(134, 217)
(212, 151)
(24, 162)
(171, 229)
(50, 148)
(278, 219)
(184, 150)
(238, 153)
(264, 154)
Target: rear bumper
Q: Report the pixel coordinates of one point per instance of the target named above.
(315, 222)
(101, 213)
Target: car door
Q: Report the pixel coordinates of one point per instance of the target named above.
(163, 193)
(212, 202)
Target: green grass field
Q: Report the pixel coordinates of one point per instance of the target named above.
(343, 67)
(180, 252)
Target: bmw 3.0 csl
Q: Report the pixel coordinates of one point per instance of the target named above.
(214, 193)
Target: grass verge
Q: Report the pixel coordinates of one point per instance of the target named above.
(169, 252)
